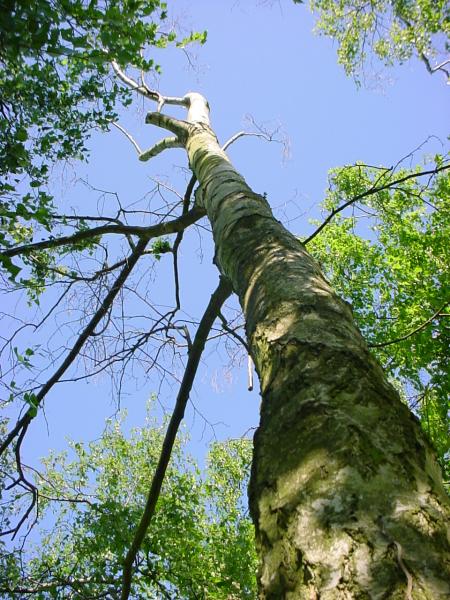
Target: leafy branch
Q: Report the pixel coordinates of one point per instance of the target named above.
(373, 190)
(422, 326)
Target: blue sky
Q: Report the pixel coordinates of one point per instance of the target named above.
(262, 60)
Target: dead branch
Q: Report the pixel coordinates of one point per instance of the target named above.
(219, 296)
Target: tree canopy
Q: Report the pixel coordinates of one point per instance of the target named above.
(387, 31)
(200, 543)
(396, 279)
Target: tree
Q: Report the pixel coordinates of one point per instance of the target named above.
(333, 432)
(391, 276)
(200, 543)
(386, 30)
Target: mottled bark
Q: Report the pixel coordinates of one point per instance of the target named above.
(345, 492)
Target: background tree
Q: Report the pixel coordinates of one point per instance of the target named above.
(200, 543)
(56, 260)
(386, 31)
(396, 279)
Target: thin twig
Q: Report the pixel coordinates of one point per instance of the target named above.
(233, 333)
(23, 482)
(23, 423)
(240, 134)
(129, 136)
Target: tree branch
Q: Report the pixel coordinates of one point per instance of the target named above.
(232, 332)
(164, 144)
(438, 67)
(373, 190)
(219, 296)
(128, 136)
(145, 233)
(438, 313)
(54, 585)
(265, 136)
(179, 238)
(177, 126)
(65, 240)
(23, 423)
(145, 91)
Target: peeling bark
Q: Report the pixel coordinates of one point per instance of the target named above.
(345, 492)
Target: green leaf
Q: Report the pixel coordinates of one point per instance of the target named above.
(12, 269)
(22, 134)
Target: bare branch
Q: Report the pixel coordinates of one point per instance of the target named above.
(440, 67)
(129, 136)
(23, 423)
(179, 238)
(145, 91)
(250, 366)
(146, 233)
(219, 296)
(177, 126)
(233, 333)
(79, 236)
(265, 136)
(164, 144)
(134, 85)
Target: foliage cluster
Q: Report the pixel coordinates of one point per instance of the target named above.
(56, 84)
(199, 545)
(388, 256)
(388, 30)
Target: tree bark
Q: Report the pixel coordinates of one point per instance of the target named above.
(345, 493)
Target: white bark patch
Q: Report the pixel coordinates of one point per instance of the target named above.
(198, 108)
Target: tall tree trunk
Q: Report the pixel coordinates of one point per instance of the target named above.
(345, 492)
